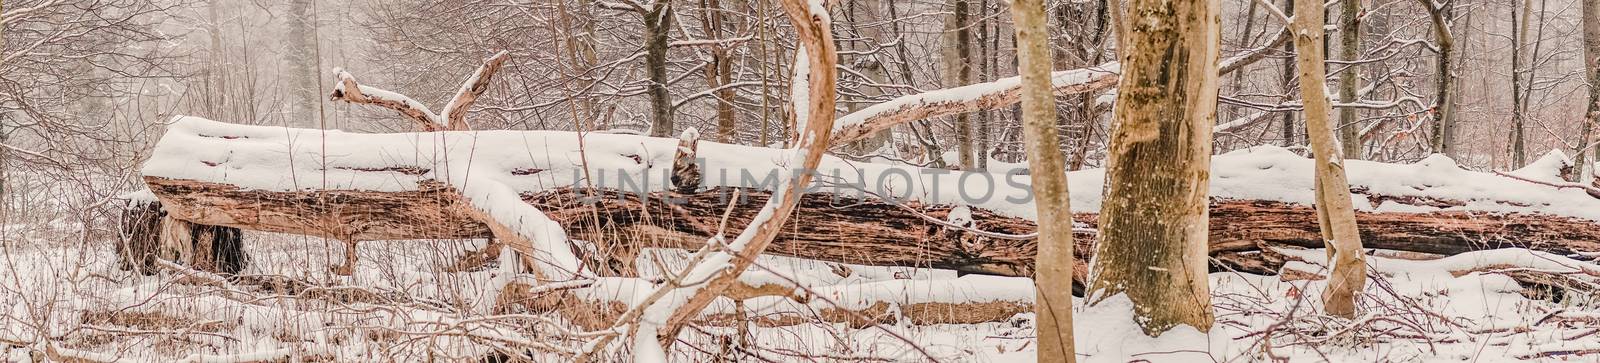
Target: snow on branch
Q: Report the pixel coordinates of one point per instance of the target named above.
(348, 90)
(975, 97)
(455, 112)
(1000, 93)
(659, 321)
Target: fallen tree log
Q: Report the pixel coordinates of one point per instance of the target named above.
(393, 186)
(873, 232)
(836, 228)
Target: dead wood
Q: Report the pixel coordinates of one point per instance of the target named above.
(835, 228)
(349, 91)
(455, 112)
(149, 233)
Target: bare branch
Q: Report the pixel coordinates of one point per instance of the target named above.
(456, 111)
(348, 90)
(982, 96)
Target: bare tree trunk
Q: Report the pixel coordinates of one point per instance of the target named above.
(1335, 213)
(301, 47)
(1154, 219)
(986, 56)
(1244, 42)
(1443, 127)
(1286, 125)
(216, 73)
(1053, 276)
(874, 68)
(1349, 51)
(1591, 71)
(1519, 38)
(657, 23)
(960, 68)
(719, 72)
(766, 90)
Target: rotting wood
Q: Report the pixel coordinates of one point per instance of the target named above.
(833, 228)
(428, 212)
(149, 233)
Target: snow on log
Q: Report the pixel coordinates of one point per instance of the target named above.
(405, 186)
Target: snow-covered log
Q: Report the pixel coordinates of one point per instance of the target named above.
(409, 186)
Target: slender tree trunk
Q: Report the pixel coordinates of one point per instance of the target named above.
(1443, 127)
(657, 23)
(580, 55)
(1519, 28)
(1335, 213)
(960, 68)
(301, 48)
(1591, 71)
(1350, 51)
(216, 71)
(1245, 38)
(719, 72)
(1054, 266)
(904, 63)
(1287, 123)
(766, 89)
(1154, 219)
(986, 56)
(872, 66)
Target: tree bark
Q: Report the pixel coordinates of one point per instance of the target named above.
(959, 68)
(1286, 123)
(872, 65)
(301, 45)
(1350, 79)
(1153, 231)
(988, 41)
(1519, 28)
(1591, 71)
(1335, 213)
(719, 72)
(1053, 276)
(1443, 127)
(657, 23)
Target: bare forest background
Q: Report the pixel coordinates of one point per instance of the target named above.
(86, 85)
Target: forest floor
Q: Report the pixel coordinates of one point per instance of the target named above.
(69, 298)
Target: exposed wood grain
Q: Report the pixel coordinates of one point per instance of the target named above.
(431, 211)
(834, 228)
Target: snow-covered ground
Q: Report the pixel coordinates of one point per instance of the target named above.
(402, 303)
(403, 306)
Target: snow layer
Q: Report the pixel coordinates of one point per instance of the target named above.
(277, 158)
(971, 92)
